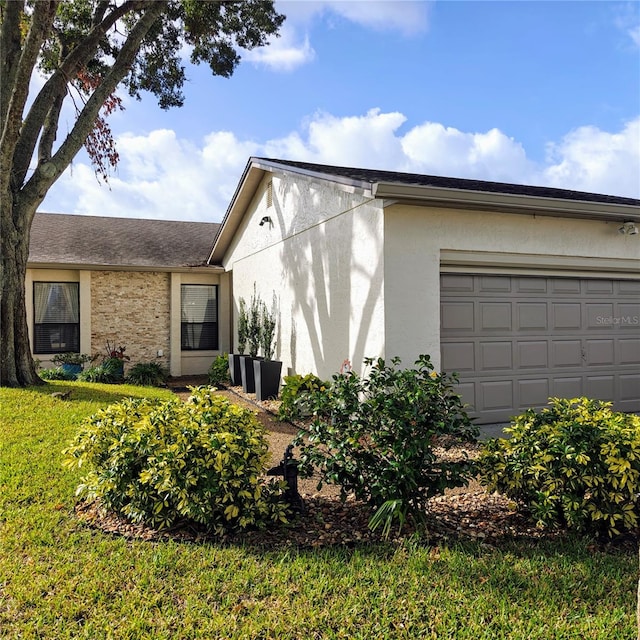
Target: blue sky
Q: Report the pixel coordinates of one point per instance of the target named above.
(534, 92)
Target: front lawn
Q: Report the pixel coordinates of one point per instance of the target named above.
(61, 579)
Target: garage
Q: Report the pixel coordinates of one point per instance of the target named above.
(517, 340)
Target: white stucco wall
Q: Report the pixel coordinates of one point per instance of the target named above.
(420, 241)
(321, 259)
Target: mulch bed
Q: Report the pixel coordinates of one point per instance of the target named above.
(470, 514)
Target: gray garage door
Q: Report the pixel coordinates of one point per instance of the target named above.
(516, 341)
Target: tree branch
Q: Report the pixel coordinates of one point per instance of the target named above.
(10, 42)
(41, 21)
(56, 87)
(47, 173)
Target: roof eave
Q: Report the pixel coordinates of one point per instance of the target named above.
(78, 266)
(506, 202)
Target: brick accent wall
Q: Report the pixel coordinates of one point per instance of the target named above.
(133, 310)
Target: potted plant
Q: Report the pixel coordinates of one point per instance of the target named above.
(234, 358)
(266, 372)
(254, 330)
(71, 363)
(115, 358)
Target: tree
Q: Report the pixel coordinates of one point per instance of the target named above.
(85, 50)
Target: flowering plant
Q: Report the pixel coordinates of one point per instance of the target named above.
(117, 352)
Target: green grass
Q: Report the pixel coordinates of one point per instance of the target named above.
(61, 579)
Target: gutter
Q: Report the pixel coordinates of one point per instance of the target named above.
(506, 202)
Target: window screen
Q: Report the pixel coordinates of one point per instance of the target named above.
(199, 305)
(56, 317)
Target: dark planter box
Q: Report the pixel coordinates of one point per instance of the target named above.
(246, 370)
(72, 369)
(266, 375)
(234, 369)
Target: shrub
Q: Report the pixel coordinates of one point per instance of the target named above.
(576, 464)
(219, 371)
(375, 436)
(57, 373)
(148, 374)
(159, 462)
(243, 322)
(254, 323)
(109, 372)
(296, 396)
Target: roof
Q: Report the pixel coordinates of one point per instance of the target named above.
(367, 177)
(428, 190)
(99, 241)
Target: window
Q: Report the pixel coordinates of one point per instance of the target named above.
(199, 329)
(56, 316)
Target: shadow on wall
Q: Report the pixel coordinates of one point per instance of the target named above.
(320, 266)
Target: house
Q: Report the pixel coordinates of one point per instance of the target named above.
(527, 292)
(143, 284)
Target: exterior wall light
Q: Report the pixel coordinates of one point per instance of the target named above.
(266, 219)
(628, 228)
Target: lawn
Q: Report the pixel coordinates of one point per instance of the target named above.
(61, 579)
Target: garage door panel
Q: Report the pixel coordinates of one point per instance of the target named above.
(495, 284)
(533, 393)
(629, 351)
(533, 354)
(457, 316)
(566, 387)
(600, 352)
(532, 316)
(600, 387)
(565, 285)
(495, 356)
(629, 386)
(598, 287)
(566, 315)
(628, 288)
(495, 316)
(493, 395)
(531, 285)
(458, 356)
(628, 315)
(517, 340)
(566, 353)
(467, 391)
(456, 282)
(599, 316)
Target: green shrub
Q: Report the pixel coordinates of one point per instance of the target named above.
(219, 371)
(375, 437)
(296, 396)
(576, 464)
(57, 373)
(109, 372)
(164, 461)
(148, 374)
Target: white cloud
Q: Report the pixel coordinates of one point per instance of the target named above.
(409, 18)
(588, 159)
(286, 53)
(292, 49)
(161, 176)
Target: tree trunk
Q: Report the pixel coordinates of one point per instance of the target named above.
(17, 368)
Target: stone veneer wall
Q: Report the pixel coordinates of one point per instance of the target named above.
(131, 309)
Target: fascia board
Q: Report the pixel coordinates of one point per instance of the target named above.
(251, 178)
(510, 203)
(76, 266)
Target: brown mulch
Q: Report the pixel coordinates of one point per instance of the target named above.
(468, 514)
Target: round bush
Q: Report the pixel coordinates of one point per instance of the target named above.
(575, 465)
(159, 462)
(375, 437)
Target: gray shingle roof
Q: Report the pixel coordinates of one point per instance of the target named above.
(123, 242)
(371, 176)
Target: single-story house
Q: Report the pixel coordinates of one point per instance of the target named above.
(141, 284)
(526, 292)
